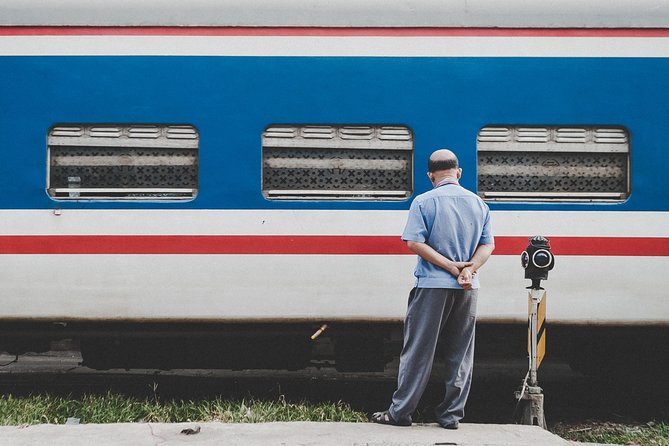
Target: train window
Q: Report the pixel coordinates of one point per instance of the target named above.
(315, 162)
(123, 162)
(529, 163)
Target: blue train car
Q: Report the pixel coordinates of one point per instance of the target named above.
(233, 175)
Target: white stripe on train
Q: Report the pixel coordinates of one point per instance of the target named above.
(316, 222)
(316, 288)
(360, 46)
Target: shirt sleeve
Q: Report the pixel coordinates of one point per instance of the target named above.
(415, 229)
(486, 235)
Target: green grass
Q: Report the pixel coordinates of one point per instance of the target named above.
(112, 408)
(649, 434)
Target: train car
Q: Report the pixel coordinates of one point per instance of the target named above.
(205, 184)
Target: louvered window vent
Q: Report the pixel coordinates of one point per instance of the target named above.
(123, 162)
(531, 163)
(325, 162)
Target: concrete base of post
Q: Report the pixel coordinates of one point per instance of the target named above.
(530, 409)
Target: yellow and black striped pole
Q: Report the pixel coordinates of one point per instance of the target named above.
(536, 342)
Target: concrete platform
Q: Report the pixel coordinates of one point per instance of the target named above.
(294, 433)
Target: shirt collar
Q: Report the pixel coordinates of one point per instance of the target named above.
(446, 181)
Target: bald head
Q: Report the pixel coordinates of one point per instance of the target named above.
(442, 159)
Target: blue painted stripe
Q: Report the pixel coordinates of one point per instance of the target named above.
(232, 99)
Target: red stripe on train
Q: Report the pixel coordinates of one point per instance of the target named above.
(326, 31)
(305, 244)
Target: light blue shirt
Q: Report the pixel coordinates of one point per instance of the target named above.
(453, 221)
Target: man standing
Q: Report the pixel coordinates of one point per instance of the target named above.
(449, 228)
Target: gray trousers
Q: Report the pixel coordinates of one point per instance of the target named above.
(434, 314)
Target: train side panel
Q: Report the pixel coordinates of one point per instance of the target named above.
(232, 255)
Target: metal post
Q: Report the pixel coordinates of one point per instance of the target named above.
(537, 260)
(535, 298)
(530, 407)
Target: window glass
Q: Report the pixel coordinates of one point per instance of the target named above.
(123, 162)
(530, 163)
(314, 162)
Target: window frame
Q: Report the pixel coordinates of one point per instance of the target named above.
(122, 138)
(381, 138)
(555, 140)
